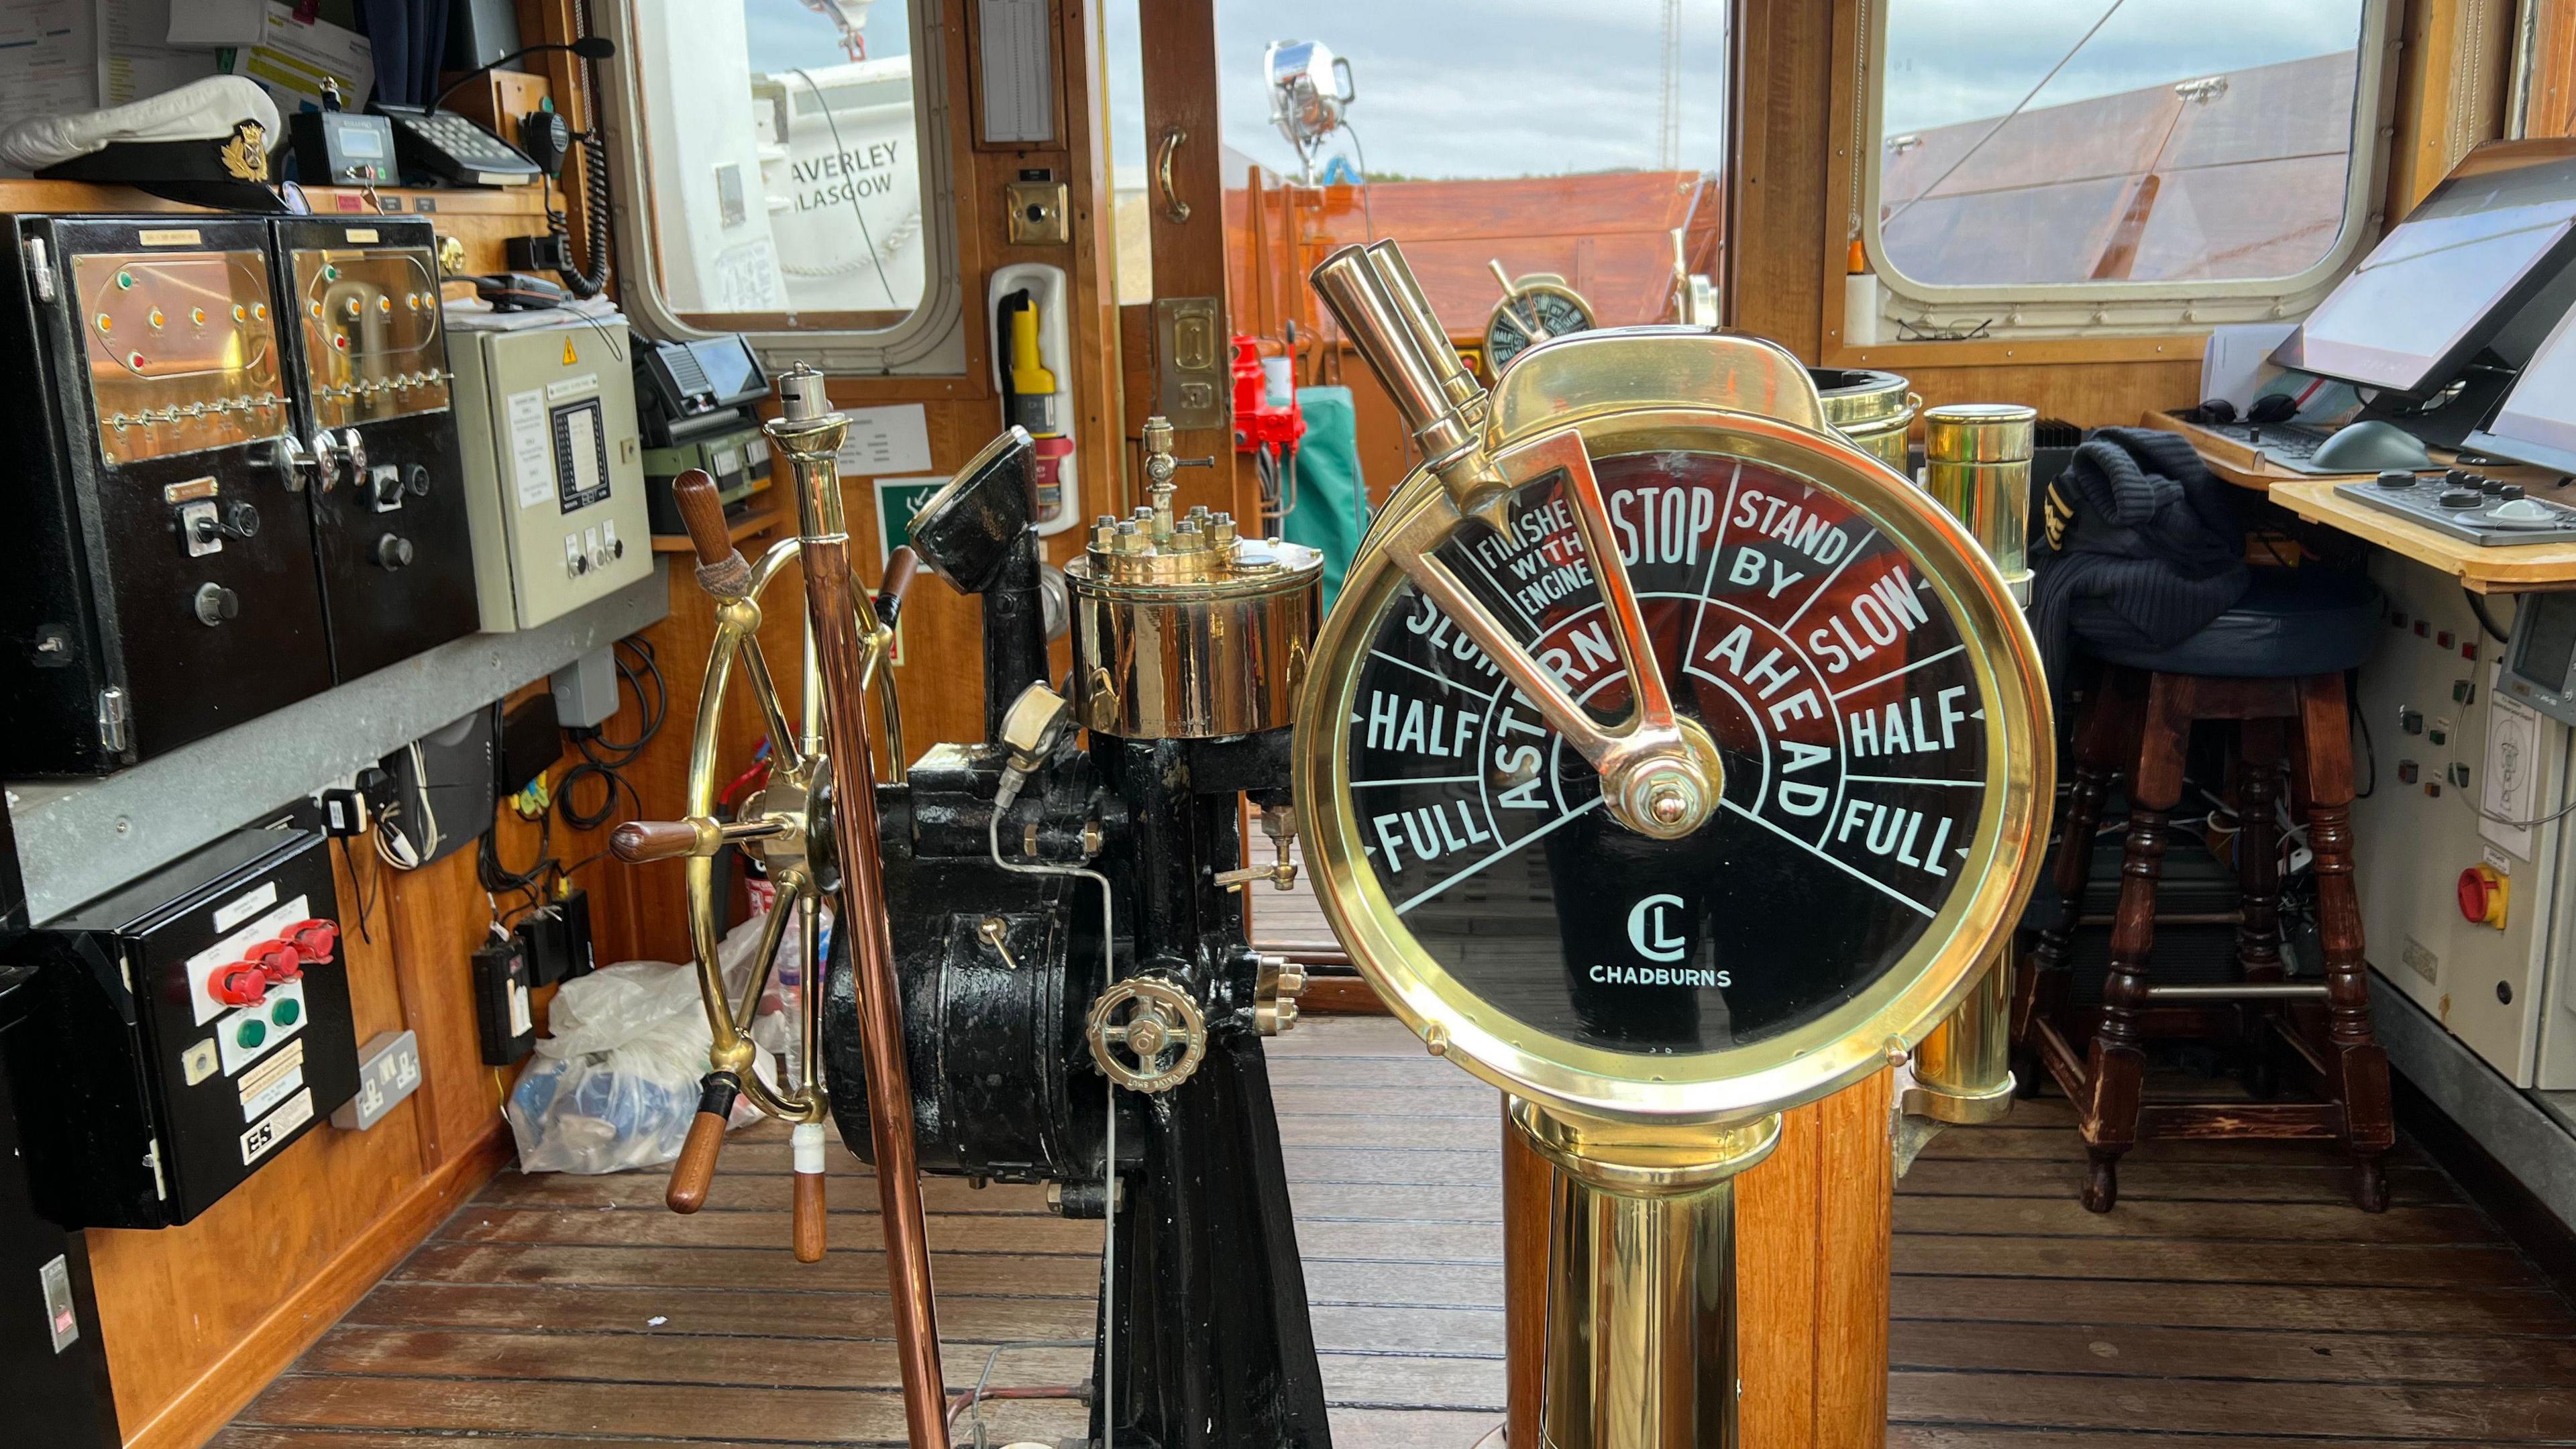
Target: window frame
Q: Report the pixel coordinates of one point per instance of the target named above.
(2043, 310)
(930, 341)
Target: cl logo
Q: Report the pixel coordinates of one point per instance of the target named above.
(1648, 932)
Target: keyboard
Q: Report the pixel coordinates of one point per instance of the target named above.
(2290, 445)
(2467, 506)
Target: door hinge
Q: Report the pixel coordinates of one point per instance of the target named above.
(115, 720)
(1192, 377)
(40, 268)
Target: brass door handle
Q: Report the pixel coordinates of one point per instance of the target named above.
(1173, 207)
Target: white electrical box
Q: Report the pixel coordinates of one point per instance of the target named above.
(2456, 766)
(554, 467)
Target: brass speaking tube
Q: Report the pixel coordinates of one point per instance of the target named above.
(809, 434)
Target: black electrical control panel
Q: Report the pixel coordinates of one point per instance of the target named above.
(159, 563)
(191, 1025)
(368, 357)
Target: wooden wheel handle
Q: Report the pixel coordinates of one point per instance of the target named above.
(638, 842)
(808, 1217)
(696, 1170)
(901, 566)
(702, 513)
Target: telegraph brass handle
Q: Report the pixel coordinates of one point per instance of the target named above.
(695, 1172)
(1173, 207)
(901, 567)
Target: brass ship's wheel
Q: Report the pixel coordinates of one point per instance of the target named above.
(783, 824)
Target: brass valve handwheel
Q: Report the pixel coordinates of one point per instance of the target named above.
(1136, 1024)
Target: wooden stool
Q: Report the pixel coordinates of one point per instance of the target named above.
(2140, 721)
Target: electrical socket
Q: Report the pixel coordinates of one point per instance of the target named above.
(388, 1071)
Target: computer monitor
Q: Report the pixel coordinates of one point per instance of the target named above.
(2486, 264)
(2537, 421)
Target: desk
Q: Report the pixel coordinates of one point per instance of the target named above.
(2518, 568)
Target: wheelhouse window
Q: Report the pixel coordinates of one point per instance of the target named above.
(2121, 149)
(788, 165)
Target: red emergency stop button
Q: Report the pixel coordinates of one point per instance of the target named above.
(243, 983)
(2482, 896)
(280, 961)
(314, 940)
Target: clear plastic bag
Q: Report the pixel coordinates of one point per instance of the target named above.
(615, 1082)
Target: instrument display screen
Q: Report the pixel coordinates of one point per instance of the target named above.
(182, 351)
(1838, 689)
(371, 333)
(2454, 275)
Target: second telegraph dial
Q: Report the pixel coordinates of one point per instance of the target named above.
(1820, 658)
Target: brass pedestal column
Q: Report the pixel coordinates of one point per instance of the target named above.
(1641, 1310)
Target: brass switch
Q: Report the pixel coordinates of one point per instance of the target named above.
(1037, 210)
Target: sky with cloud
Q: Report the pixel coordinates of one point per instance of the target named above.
(1537, 87)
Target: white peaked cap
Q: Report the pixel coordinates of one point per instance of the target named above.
(205, 110)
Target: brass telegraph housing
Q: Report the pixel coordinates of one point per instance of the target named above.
(1645, 1141)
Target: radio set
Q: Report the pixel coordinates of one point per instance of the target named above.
(195, 1022)
(210, 533)
(697, 405)
(553, 465)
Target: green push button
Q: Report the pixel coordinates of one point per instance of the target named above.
(251, 1033)
(286, 1013)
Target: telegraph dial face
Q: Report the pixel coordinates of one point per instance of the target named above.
(1557, 311)
(1871, 776)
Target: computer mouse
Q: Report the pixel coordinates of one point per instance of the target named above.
(2370, 446)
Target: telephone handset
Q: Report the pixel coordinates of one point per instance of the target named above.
(549, 138)
(545, 139)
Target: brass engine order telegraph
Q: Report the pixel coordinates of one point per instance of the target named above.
(1667, 762)
(1534, 309)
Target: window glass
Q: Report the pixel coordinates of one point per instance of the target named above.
(784, 153)
(1577, 143)
(1123, 58)
(2036, 141)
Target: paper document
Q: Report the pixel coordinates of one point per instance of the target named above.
(48, 58)
(293, 56)
(135, 57)
(213, 22)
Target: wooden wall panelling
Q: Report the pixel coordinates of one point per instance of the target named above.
(1190, 257)
(2453, 76)
(2552, 107)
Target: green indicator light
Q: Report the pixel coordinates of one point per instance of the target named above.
(253, 1031)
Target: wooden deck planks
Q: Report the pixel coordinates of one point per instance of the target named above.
(2235, 1297)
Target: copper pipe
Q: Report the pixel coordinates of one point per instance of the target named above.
(810, 435)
